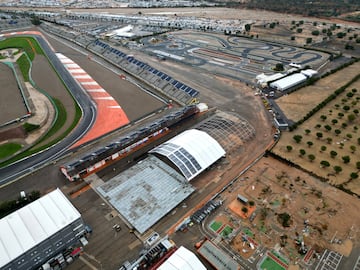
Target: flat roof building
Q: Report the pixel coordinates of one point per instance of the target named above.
(39, 231)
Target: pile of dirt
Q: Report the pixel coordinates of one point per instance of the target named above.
(13, 133)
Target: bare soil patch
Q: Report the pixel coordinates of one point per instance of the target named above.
(277, 188)
(11, 102)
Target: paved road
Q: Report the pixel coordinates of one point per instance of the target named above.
(30, 164)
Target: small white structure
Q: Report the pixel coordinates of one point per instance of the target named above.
(122, 32)
(295, 65)
(288, 82)
(182, 259)
(192, 152)
(309, 72)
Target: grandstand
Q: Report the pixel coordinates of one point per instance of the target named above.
(160, 81)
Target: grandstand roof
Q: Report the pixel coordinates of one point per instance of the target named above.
(27, 227)
(191, 151)
(182, 259)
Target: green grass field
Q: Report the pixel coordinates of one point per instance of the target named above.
(270, 264)
(8, 149)
(215, 225)
(226, 231)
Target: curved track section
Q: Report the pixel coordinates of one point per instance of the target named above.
(110, 115)
(30, 164)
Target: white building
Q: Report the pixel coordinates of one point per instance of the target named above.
(191, 152)
(309, 72)
(182, 259)
(39, 231)
(288, 82)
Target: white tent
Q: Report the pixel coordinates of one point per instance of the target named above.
(182, 259)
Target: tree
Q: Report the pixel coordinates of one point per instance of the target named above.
(346, 159)
(289, 148)
(244, 210)
(334, 121)
(346, 108)
(323, 148)
(354, 175)
(358, 141)
(358, 165)
(351, 117)
(329, 140)
(299, 30)
(279, 67)
(333, 153)
(327, 127)
(308, 40)
(337, 132)
(340, 114)
(319, 135)
(315, 32)
(284, 219)
(297, 138)
(310, 143)
(251, 203)
(337, 169)
(35, 20)
(323, 117)
(307, 131)
(352, 148)
(302, 152)
(325, 163)
(247, 27)
(311, 157)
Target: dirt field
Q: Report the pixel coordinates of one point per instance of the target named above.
(344, 144)
(277, 189)
(296, 105)
(11, 102)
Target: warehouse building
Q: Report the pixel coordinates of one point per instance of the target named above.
(288, 82)
(39, 231)
(147, 191)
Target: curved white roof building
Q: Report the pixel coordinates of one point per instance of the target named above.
(191, 151)
(182, 259)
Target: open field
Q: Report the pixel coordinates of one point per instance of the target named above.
(297, 104)
(330, 129)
